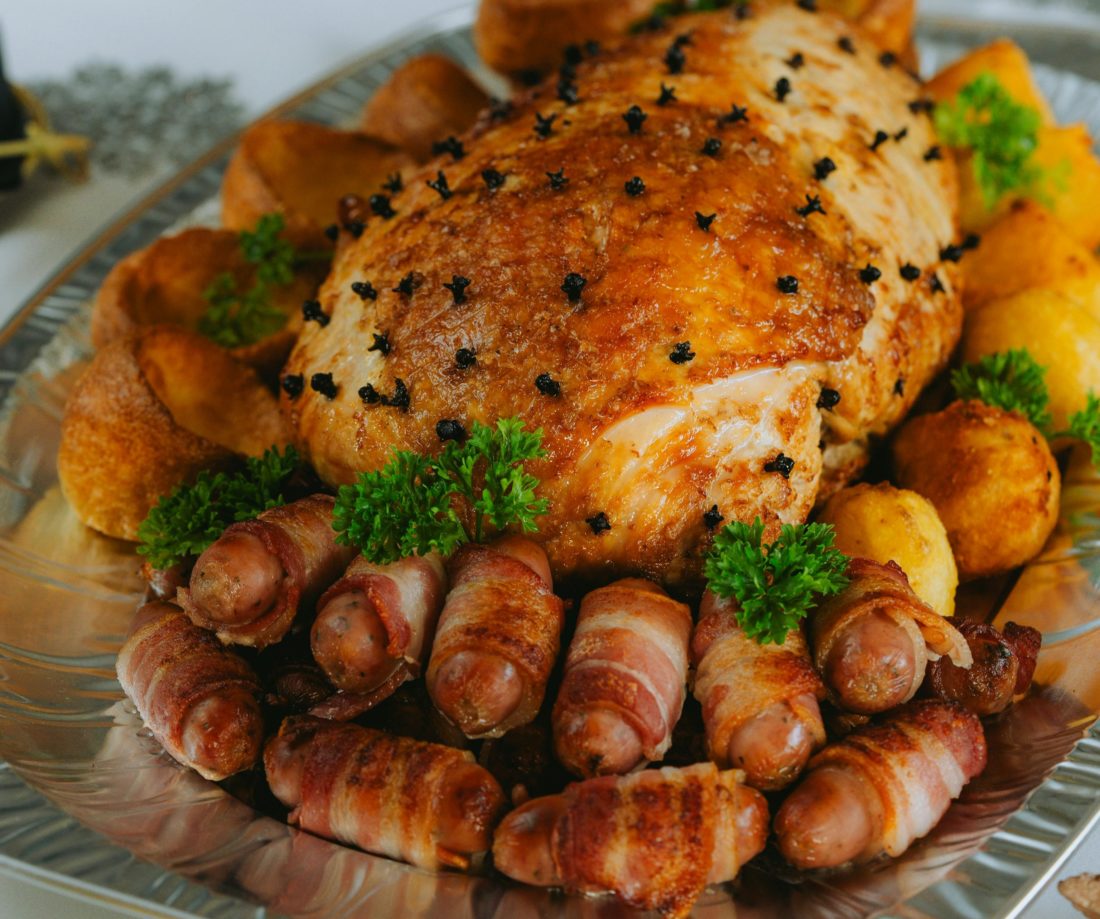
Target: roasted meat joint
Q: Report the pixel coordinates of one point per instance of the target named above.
(551, 563)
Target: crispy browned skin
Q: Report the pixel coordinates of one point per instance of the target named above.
(654, 838)
(166, 282)
(252, 581)
(759, 700)
(648, 441)
(424, 803)
(200, 700)
(992, 478)
(302, 170)
(1025, 643)
(426, 100)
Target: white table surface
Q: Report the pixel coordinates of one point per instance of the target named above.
(270, 49)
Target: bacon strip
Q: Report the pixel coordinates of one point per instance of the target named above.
(404, 598)
(906, 772)
(499, 611)
(737, 679)
(301, 538)
(988, 686)
(627, 667)
(655, 838)
(422, 803)
(199, 699)
(884, 590)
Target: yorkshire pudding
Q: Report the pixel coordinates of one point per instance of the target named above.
(165, 283)
(149, 413)
(425, 100)
(302, 170)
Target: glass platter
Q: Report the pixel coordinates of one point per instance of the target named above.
(89, 805)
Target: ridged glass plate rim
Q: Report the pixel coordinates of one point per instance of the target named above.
(1009, 869)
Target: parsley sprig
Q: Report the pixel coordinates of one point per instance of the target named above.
(1002, 135)
(416, 504)
(1015, 381)
(775, 584)
(1085, 426)
(191, 517)
(233, 317)
(1012, 380)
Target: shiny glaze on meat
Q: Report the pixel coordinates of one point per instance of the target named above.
(649, 442)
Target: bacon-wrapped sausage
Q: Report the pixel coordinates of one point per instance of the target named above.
(655, 838)
(872, 641)
(759, 701)
(378, 619)
(988, 686)
(625, 679)
(497, 639)
(882, 787)
(249, 585)
(423, 803)
(199, 699)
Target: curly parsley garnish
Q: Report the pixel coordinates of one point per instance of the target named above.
(777, 584)
(233, 317)
(1002, 135)
(1085, 426)
(1012, 380)
(416, 503)
(191, 517)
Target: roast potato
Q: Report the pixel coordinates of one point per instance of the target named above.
(150, 412)
(1007, 62)
(1027, 247)
(521, 36)
(302, 170)
(992, 479)
(164, 283)
(887, 524)
(425, 100)
(1059, 330)
(1066, 154)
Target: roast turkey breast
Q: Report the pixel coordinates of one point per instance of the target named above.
(735, 250)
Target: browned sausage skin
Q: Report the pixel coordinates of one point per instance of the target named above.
(497, 639)
(625, 679)
(249, 585)
(872, 641)
(683, 828)
(988, 686)
(859, 798)
(377, 619)
(423, 803)
(760, 702)
(199, 699)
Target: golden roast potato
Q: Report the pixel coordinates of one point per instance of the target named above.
(1059, 331)
(887, 524)
(991, 477)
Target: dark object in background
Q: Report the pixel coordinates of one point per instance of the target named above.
(12, 127)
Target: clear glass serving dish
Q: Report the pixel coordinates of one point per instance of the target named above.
(91, 806)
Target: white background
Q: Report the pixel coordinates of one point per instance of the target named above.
(271, 49)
